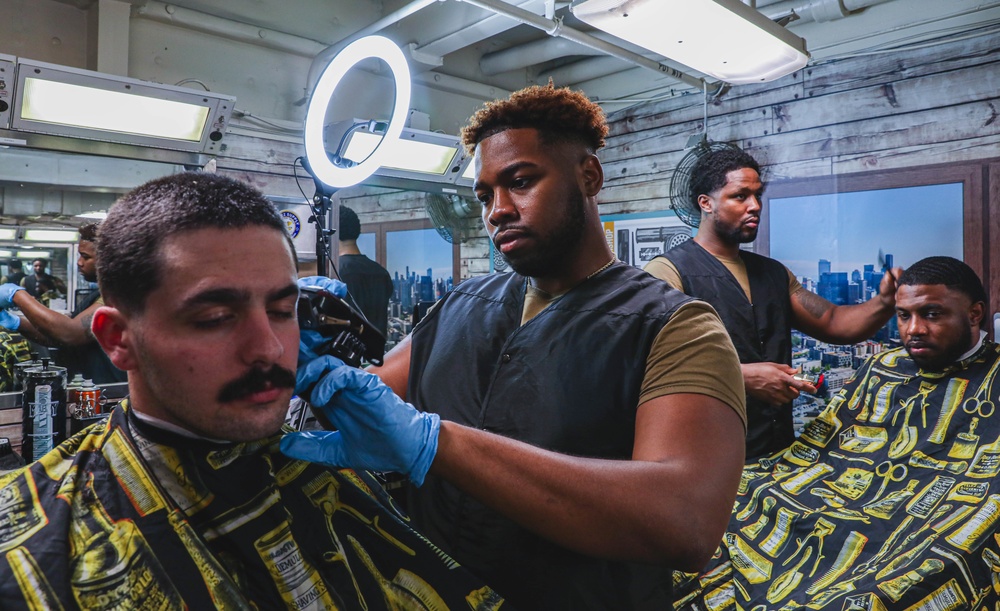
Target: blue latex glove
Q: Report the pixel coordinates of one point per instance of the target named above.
(308, 340)
(376, 430)
(9, 321)
(331, 285)
(7, 294)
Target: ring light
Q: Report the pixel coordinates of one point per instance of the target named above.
(377, 47)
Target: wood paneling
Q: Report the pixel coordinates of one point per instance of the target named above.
(924, 107)
(921, 116)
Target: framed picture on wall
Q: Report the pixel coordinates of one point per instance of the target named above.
(637, 238)
(852, 234)
(634, 238)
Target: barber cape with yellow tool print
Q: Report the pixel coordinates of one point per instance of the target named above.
(127, 516)
(889, 499)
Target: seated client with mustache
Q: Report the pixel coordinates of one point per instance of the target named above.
(182, 499)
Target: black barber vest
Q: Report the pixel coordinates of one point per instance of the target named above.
(89, 359)
(761, 331)
(567, 381)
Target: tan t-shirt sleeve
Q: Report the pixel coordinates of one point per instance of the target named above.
(664, 269)
(793, 283)
(693, 354)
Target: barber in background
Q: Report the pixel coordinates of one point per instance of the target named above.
(759, 299)
(78, 351)
(368, 284)
(42, 282)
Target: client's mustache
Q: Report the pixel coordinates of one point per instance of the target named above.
(257, 380)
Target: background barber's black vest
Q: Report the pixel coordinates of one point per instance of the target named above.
(89, 359)
(761, 331)
(567, 381)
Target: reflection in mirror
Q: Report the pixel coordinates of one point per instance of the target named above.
(852, 238)
(421, 264)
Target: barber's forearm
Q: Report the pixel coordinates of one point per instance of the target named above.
(29, 331)
(51, 326)
(856, 323)
(833, 324)
(618, 509)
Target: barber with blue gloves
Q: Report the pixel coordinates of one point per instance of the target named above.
(7, 320)
(376, 430)
(585, 518)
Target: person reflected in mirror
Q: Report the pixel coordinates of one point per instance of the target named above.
(759, 299)
(368, 283)
(78, 350)
(575, 427)
(41, 282)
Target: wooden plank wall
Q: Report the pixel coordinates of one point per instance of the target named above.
(933, 105)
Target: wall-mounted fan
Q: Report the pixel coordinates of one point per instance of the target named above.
(455, 218)
(500, 264)
(681, 200)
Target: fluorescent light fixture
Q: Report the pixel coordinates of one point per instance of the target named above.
(99, 215)
(407, 153)
(722, 38)
(31, 255)
(469, 173)
(62, 101)
(8, 233)
(417, 155)
(322, 168)
(6, 254)
(51, 235)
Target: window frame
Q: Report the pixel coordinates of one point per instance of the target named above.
(381, 229)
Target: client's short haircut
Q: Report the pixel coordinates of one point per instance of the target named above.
(128, 253)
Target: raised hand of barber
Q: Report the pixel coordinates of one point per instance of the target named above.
(376, 430)
(887, 287)
(7, 291)
(308, 340)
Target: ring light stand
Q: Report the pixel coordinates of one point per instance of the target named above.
(328, 176)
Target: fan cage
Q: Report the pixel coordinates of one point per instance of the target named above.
(680, 199)
(453, 217)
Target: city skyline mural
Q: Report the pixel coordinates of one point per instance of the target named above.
(849, 229)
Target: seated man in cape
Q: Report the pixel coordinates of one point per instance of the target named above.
(890, 498)
(182, 499)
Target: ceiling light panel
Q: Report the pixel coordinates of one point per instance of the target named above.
(415, 152)
(722, 38)
(62, 101)
(50, 235)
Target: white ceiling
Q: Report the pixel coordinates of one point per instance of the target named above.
(460, 49)
(264, 53)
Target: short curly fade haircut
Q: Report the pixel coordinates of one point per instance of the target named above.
(559, 115)
(709, 173)
(948, 271)
(88, 233)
